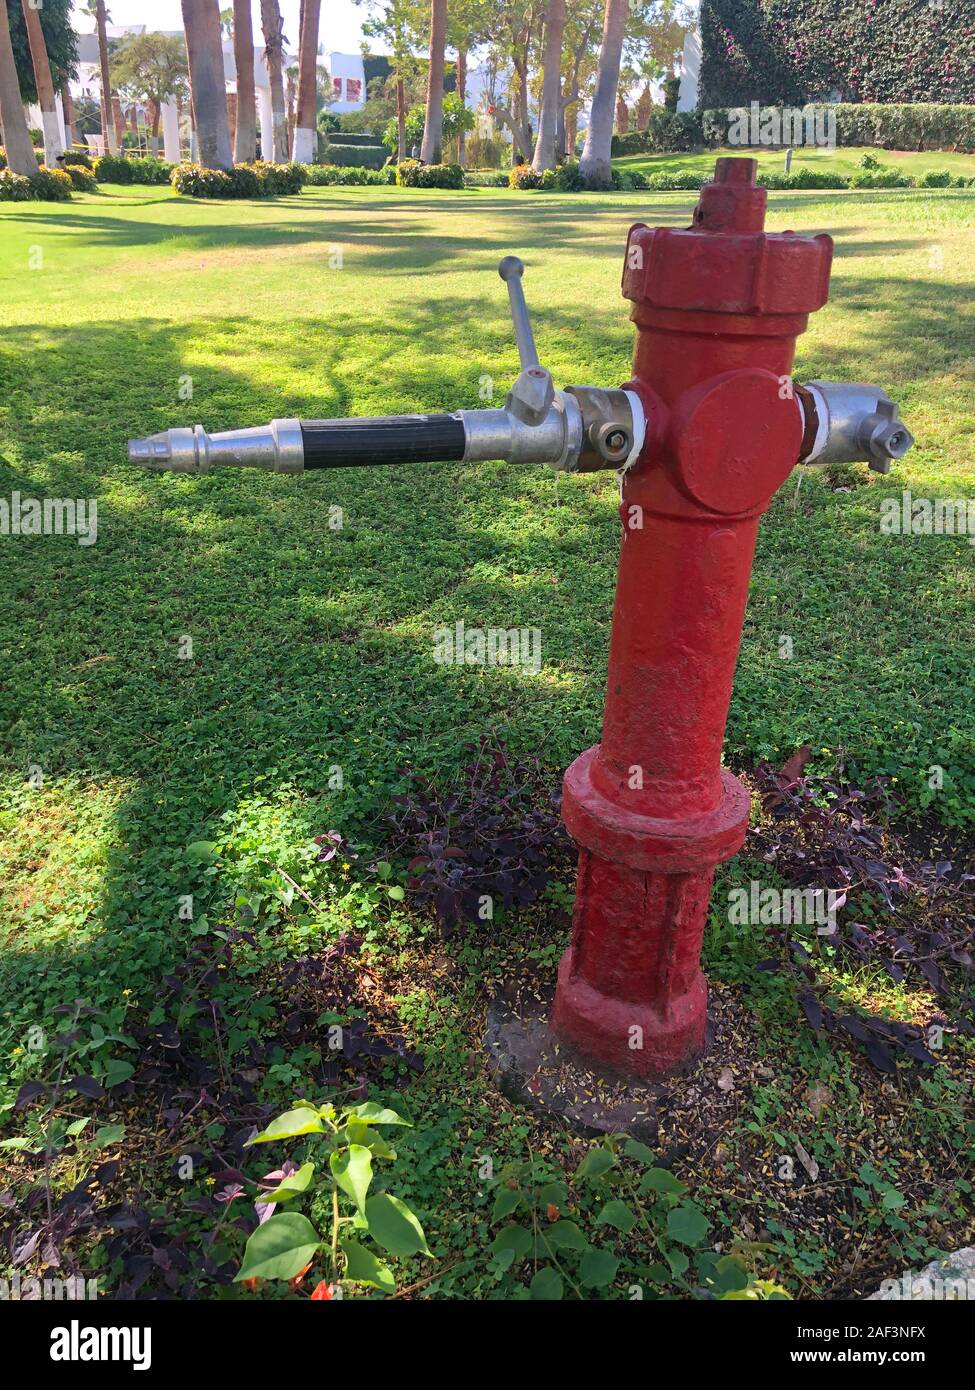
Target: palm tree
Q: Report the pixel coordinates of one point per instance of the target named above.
(44, 83)
(595, 165)
(431, 151)
(548, 117)
(201, 21)
(16, 136)
(305, 145)
(110, 132)
(273, 28)
(245, 133)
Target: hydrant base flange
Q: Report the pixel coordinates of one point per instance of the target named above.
(617, 832)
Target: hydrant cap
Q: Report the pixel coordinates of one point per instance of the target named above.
(725, 263)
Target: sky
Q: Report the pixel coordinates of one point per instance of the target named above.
(340, 29)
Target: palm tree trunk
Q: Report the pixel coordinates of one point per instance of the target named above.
(118, 122)
(245, 129)
(462, 93)
(16, 136)
(431, 151)
(44, 83)
(71, 134)
(201, 21)
(273, 27)
(595, 165)
(110, 140)
(305, 145)
(156, 113)
(400, 120)
(548, 117)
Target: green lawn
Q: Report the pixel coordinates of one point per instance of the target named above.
(843, 160)
(312, 647)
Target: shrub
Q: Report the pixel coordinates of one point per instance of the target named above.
(14, 188)
(523, 176)
(278, 180)
(51, 185)
(626, 180)
(486, 178)
(46, 186)
(935, 178)
(568, 178)
(412, 174)
(193, 181)
(880, 178)
(83, 179)
(326, 175)
(803, 178)
(149, 169)
(3, 159)
(362, 156)
(112, 168)
(78, 157)
(668, 182)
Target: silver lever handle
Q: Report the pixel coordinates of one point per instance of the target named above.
(511, 270)
(533, 392)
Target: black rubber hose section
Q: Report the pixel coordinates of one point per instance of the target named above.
(385, 439)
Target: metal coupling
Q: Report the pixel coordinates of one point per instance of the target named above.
(851, 424)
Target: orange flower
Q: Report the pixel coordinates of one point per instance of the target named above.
(323, 1290)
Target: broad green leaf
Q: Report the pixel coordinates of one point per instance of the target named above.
(77, 1126)
(660, 1180)
(368, 1137)
(617, 1214)
(554, 1194)
(514, 1238)
(687, 1223)
(393, 1226)
(292, 1186)
(679, 1262)
(507, 1199)
(396, 893)
(892, 1200)
(730, 1275)
(352, 1170)
(596, 1162)
(565, 1235)
(634, 1149)
(116, 1071)
(280, 1248)
(370, 1113)
(289, 1126)
(546, 1285)
(106, 1135)
(362, 1267)
(597, 1268)
(201, 852)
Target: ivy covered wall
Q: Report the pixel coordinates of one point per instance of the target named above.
(793, 51)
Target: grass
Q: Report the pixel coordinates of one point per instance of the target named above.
(843, 160)
(312, 649)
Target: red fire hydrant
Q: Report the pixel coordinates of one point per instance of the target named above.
(710, 425)
(718, 308)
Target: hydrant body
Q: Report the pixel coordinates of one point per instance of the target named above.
(718, 308)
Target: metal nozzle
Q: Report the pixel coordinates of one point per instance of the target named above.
(853, 424)
(277, 447)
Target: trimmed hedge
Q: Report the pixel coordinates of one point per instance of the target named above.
(907, 126)
(792, 51)
(257, 180)
(47, 186)
(142, 169)
(361, 156)
(78, 157)
(327, 175)
(350, 137)
(412, 174)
